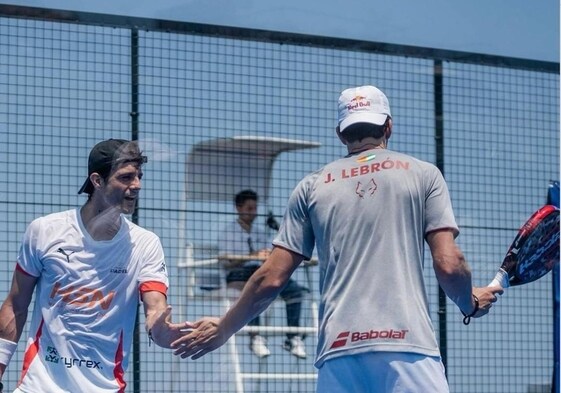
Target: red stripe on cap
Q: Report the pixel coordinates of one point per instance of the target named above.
(31, 352)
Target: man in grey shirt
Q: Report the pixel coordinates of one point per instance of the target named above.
(369, 215)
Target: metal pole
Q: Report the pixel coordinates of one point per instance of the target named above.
(135, 215)
(439, 147)
(553, 199)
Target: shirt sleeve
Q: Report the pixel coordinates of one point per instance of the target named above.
(153, 266)
(439, 212)
(29, 256)
(296, 232)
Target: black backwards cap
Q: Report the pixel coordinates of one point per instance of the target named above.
(107, 155)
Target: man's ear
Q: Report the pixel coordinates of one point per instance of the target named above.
(341, 138)
(388, 128)
(96, 180)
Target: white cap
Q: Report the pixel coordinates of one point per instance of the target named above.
(364, 104)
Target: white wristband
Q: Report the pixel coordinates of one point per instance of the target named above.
(501, 279)
(7, 349)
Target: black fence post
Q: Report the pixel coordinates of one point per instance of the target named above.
(439, 146)
(135, 215)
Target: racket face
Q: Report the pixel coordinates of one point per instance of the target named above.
(537, 246)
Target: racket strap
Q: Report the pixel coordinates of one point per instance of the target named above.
(467, 318)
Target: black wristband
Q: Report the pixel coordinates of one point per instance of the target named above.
(1, 387)
(467, 318)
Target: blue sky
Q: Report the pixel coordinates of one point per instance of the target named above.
(515, 28)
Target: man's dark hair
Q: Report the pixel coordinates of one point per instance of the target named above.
(245, 195)
(108, 155)
(358, 131)
(137, 161)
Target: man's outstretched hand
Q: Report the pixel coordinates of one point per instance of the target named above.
(164, 332)
(206, 336)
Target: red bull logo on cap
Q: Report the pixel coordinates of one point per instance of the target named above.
(358, 102)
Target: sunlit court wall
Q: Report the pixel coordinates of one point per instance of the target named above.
(194, 95)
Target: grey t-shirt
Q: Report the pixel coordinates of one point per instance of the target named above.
(368, 214)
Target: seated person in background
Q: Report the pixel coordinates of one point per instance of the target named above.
(242, 239)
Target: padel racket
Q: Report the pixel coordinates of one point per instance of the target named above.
(534, 251)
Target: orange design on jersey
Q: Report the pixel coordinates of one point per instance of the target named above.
(88, 297)
(31, 352)
(118, 371)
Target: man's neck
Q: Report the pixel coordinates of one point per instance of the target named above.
(101, 224)
(245, 226)
(366, 144)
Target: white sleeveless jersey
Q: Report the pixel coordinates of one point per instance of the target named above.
(367, 214)
(85, 302)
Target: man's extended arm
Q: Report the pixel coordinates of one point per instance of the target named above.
(454, 275)
(259, 292)
(158, 320)
(13, 313)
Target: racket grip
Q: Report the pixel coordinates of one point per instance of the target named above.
(501, 279)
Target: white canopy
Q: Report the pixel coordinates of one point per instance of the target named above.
(219, 168)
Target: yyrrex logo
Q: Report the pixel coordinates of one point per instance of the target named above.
(83, 296)
(343, 337)
(54, 357)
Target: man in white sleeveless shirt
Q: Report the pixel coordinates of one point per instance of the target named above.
(368, 214)
(89, 267)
